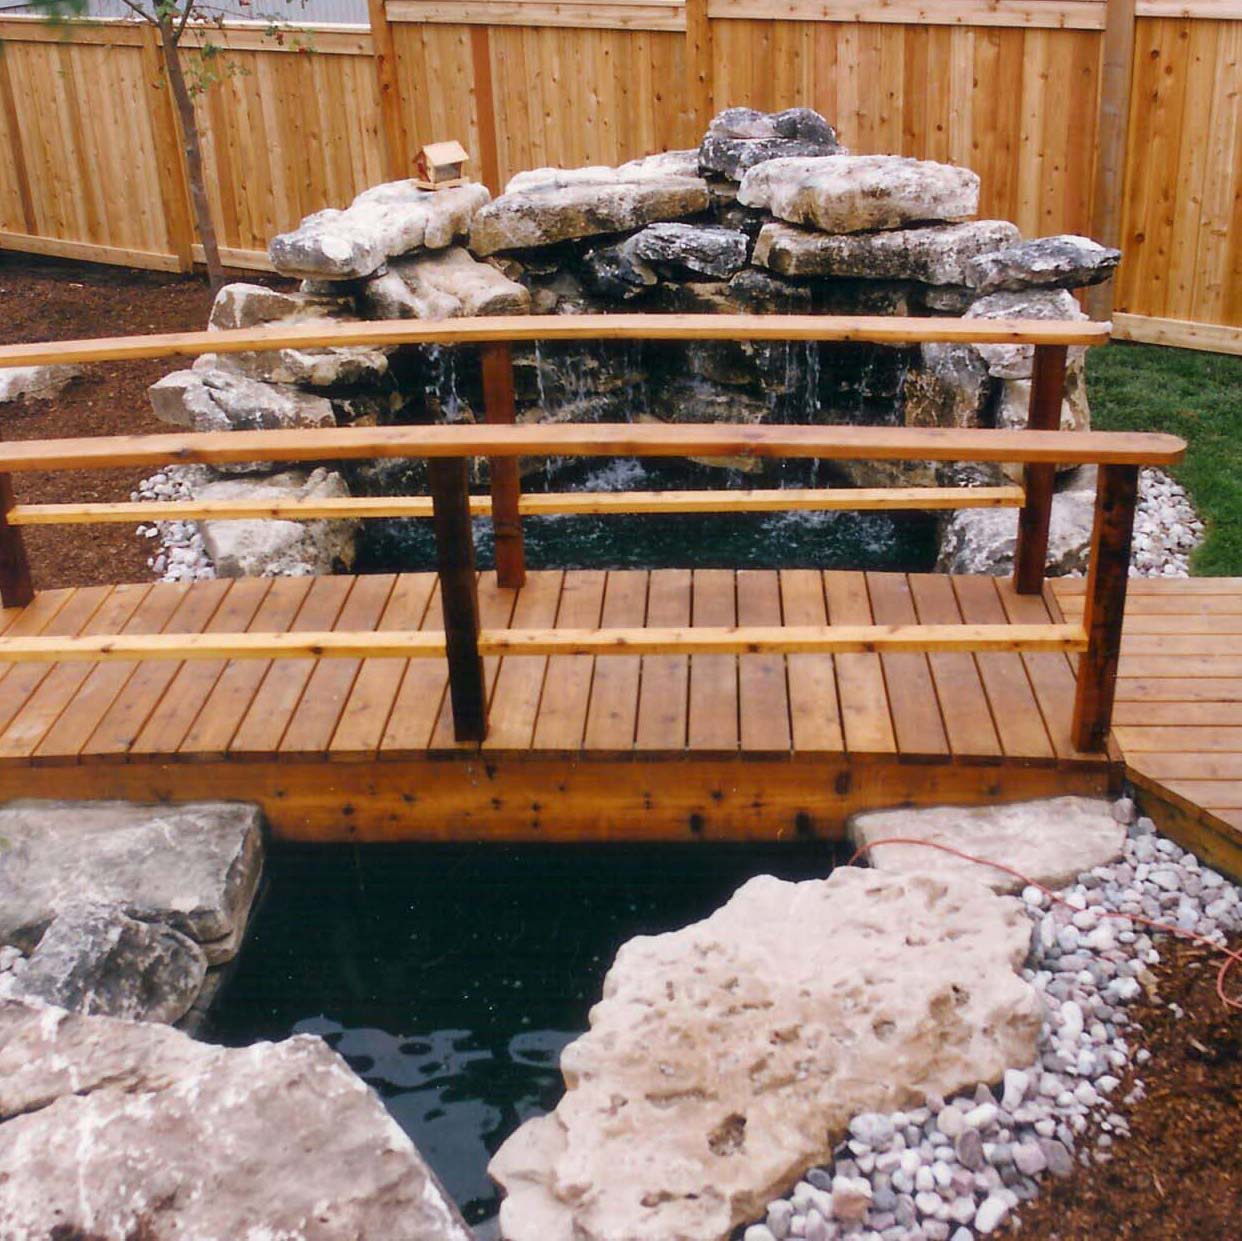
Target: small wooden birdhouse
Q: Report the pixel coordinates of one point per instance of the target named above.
(439, 165)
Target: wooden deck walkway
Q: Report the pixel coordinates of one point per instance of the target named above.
(664, 746)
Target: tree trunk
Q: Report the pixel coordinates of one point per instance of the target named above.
(193, 152)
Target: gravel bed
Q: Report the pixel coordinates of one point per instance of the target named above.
(956, 1169)
(1166, 528)
(179, 554)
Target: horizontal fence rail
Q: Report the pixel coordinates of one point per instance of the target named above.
(448, 451)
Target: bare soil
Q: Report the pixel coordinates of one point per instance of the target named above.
(46, 299)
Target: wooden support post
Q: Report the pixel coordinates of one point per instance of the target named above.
(1044, 414)
(16, 585)
(459, 594)
(500, 408)
(1115, 499)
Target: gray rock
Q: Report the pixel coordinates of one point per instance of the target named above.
(1066, 262)
(936, 255)
(983, 540)
(739, 138)
(96, 960)
(704, 249)
(193, 867)
(120, 1129)
(276, 548)
(859, 193)
(213, 398)
(1014, 361)
(35, 383)
(1014, 406)
(313, 368)
(381, 223)
(252, 305)
(1060, 1161)
(951, 388)
(550, 205)
(448, 284)
(969, 1149)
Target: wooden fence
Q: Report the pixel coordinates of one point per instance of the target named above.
(1116, 118)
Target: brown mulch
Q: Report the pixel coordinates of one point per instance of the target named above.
(1179, 1174)
(52, 300)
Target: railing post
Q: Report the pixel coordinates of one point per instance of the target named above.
(1115, 499)
(500, 407)
(16, 584)
(1044, 414)
(459, 594)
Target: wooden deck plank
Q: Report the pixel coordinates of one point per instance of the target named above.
(963, 701)
(1188, 738)
(420, 696)
(72, 729)
(865, 717)
(1177, 689)
(814, 713)
(1019, 722)
(265, 719)
(1069, 587)
(33, 714)
(1198, 714)
(315, 719)
(912, 696)
(1165, 644)
(1184, 765)
(1143, 607)
(713, 710)
(231, 693)
(144, 691)
(1213, 795)
(567, 681)
(763, 688)
(1181, 667)
(166, 726)
(370, 703)
(613, 712)
(514, 705)
(664, 692)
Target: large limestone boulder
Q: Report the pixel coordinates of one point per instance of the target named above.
(116, 1129)
(983, 540)
(936, 255)
(1016, 361)
(277, 548)
(739, 138)
(550, 204)
(35, 383)
(212, 397)
(1066, 261)
(243, 305)
(449, 284)
(727, 1057)
(381, 223)
(331, 367)
(859, 193)
(1051, 842)
(194, 867)
(950, 388)
(97, 960)
(1014, 408)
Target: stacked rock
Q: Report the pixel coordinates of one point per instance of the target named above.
(768, 214)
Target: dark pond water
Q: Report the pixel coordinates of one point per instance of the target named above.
(450, 977)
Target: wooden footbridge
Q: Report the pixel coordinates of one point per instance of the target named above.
(614, 704)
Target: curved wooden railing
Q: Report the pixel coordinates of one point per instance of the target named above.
(449, 449)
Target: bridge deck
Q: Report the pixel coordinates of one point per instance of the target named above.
(586, 747)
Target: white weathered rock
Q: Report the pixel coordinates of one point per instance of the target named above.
(1051, 841)
(858, 193)
(982, 540)
(952, 388)
(215, 398)
(1015, 400)
(96, 960)
(935, 255)
(35, 383)
(192, 867)
(312, 368)
(276, 548)
(1015, 361)
(739, 138)
(726, 1057)
(656, 167)
(116, 1129)
(381, 223)
(449, 284)
(243, 305)
(550, 204)
(1066, 261)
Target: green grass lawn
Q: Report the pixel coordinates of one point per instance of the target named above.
(1199, 397)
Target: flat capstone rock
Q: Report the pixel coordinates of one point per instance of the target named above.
(1051, 841)
(446, 284)
(1066, 261)
(739, 138)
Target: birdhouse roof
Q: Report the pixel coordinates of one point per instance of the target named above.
(445, 153)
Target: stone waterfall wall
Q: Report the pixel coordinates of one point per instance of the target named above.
(768, 215)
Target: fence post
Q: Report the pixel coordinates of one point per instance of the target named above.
(1044, 414)
(459, 594)
(1115, 498)
(397, 154)
(16, 585)
(500, 408)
